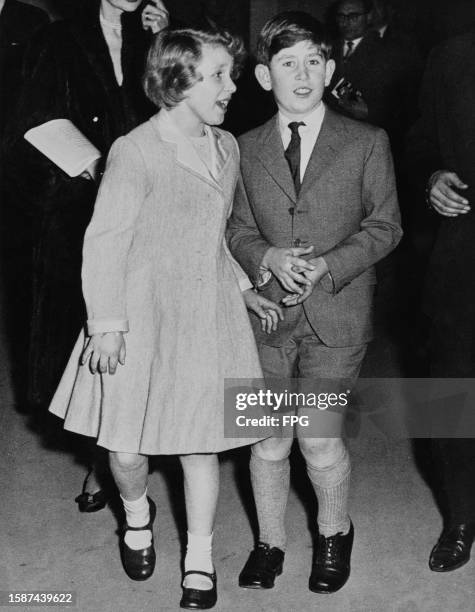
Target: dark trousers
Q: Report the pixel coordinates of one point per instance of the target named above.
(453, 459)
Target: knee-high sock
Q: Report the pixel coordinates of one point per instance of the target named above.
(331, 485)
(270, 483)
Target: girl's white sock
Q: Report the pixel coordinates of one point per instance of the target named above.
(137, 514)
(198, 557)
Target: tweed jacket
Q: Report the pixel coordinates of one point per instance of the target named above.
(347, 209)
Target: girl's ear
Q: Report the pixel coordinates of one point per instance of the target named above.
(263, 77)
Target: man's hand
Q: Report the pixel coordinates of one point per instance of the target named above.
(288, 266)
(443, 198)
(268, 312)
(104, 352)
(354, 105)
(314, 277)
(155, 16)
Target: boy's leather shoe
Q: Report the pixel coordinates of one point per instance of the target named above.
(453, 548)
(331, 565)
(263, 565)
(139, 564)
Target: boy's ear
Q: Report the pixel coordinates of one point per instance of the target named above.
(330, 69)
(263, 76)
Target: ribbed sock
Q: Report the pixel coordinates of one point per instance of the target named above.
(137, 514)
(270, 483)
(198, 557)
(331, 485)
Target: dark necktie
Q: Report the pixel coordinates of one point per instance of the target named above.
(292, 153)
(349, 49)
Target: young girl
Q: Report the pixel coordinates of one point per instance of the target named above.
(159, 281)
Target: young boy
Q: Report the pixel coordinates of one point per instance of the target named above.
(315, 209)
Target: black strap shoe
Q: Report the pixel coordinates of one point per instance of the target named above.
(331, 565)
(91, 502)
(263, 565)
(139, 564)
(453, 548)
(199, 599)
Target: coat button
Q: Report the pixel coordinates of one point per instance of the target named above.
(297, 242)
(95, 119)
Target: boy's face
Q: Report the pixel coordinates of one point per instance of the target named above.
(297, 76)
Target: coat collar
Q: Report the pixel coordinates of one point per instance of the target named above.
(271, 154)
(186, 154)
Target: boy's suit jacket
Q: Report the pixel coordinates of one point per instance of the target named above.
(347, 208)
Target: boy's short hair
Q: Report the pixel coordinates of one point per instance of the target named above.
(173, 58)
(287, 29)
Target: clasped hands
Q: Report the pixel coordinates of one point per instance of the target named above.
(297, 275)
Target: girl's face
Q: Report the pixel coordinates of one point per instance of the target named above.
(206, 102)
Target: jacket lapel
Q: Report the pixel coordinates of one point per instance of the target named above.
(325, 151)
(271, 155)
(187, 156)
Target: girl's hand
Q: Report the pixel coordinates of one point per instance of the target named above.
(268, 312)
(104, 352)
(155, 16)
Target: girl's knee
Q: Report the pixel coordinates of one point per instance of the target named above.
(126, 461)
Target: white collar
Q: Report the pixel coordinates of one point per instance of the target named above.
(355, 41)
(187, 154)
(313, 121)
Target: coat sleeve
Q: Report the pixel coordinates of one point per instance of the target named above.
(380, 229)
(422, 155)
(45, 95)
(109, 237)
(245, 241)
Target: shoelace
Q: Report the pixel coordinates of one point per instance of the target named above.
(262, 553)
(327, 549)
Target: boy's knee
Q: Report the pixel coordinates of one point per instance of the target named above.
(272, 449)
(321, 452)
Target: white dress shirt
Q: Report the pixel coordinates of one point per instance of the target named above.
(308, 134)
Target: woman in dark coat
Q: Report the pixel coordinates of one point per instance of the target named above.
(87, 69)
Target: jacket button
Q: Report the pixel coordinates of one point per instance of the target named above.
(95, 119)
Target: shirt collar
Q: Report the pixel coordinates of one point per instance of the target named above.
(313, 121)
(355, 41)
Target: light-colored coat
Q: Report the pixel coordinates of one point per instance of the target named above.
(347, 208)
(156, 264)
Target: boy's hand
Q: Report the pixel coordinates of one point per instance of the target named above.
(268, 312)
(314, 277)
(104, 352)
(288, 266)
(442, 197)
(155, 16)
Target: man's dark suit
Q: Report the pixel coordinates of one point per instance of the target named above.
(386, 72)
(444, 139)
